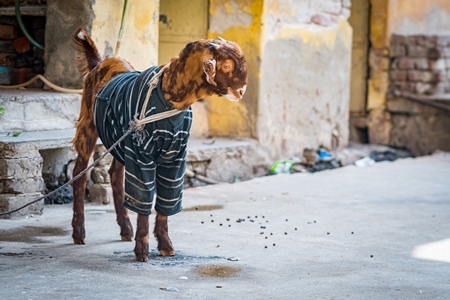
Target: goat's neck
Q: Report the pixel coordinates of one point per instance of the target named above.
(182, 82)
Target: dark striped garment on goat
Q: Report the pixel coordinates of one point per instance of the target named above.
(156, 164)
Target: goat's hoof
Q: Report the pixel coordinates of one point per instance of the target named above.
(141, 251)
(78, 236)
(141, 258)
(78, 241)
(127, 234)
(126, 238)
(167, 252)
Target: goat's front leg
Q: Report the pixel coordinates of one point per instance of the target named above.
(141, 247)
(116, 172)
(161, 233)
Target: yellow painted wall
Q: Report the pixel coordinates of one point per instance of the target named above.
(238, 21)
(139, 43)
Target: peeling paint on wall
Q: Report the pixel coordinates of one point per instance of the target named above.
(229, 15)
(231, 118)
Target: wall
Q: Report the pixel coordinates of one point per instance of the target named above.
(388, 17)
(102, 19)
(305, 76)
(238, 21)
(419, 16)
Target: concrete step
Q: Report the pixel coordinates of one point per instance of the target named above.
(38, 110)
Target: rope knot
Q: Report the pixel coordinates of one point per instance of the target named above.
(136, 124)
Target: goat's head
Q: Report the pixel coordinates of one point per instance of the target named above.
(205, 68)
(225, 69)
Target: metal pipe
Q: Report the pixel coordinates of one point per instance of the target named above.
(24, 30)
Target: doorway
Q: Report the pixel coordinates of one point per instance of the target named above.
(180, 22)
(359, 20)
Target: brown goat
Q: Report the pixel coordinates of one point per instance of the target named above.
(203, 68)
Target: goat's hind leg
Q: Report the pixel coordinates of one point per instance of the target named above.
(116, 172)
(84, 143)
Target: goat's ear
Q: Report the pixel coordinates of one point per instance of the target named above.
(209, 67)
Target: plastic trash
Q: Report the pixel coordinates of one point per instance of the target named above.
(282, 167)
(365, 161)
(325, 156)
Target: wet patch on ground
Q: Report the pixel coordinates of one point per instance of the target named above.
(156, 259)
(30, 234)
(203, 208)
(217, 271)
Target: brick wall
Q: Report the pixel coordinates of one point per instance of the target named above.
(420, 64)
(19, 59)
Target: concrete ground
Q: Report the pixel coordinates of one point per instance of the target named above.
(376, 232)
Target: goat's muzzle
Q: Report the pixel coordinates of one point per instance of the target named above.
(235, 95)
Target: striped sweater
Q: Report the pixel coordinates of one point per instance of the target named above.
(155, 165)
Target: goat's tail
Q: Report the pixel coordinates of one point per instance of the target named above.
(89, 57)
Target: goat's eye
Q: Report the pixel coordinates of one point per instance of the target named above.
(226, 67)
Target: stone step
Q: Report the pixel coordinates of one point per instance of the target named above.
(38, 110)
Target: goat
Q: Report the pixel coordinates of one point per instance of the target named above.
(203, 68)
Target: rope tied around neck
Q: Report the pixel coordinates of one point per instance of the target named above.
(137, 125)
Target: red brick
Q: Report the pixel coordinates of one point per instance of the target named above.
(439, 77)
(440, 88)
(411, 40)
(398, 40)
(426, 40)
(398, 75)
(24, 60)
(19, 76)
(443, 40)
(7, 59)
(423, 76)
(22, 45)
(6, 46)
(324, 19)
(439, 52)
(417, 51)
(397, 51)
(421, 63)
(8, 32)
(7, 2)
(39, 35)
(404, 63)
